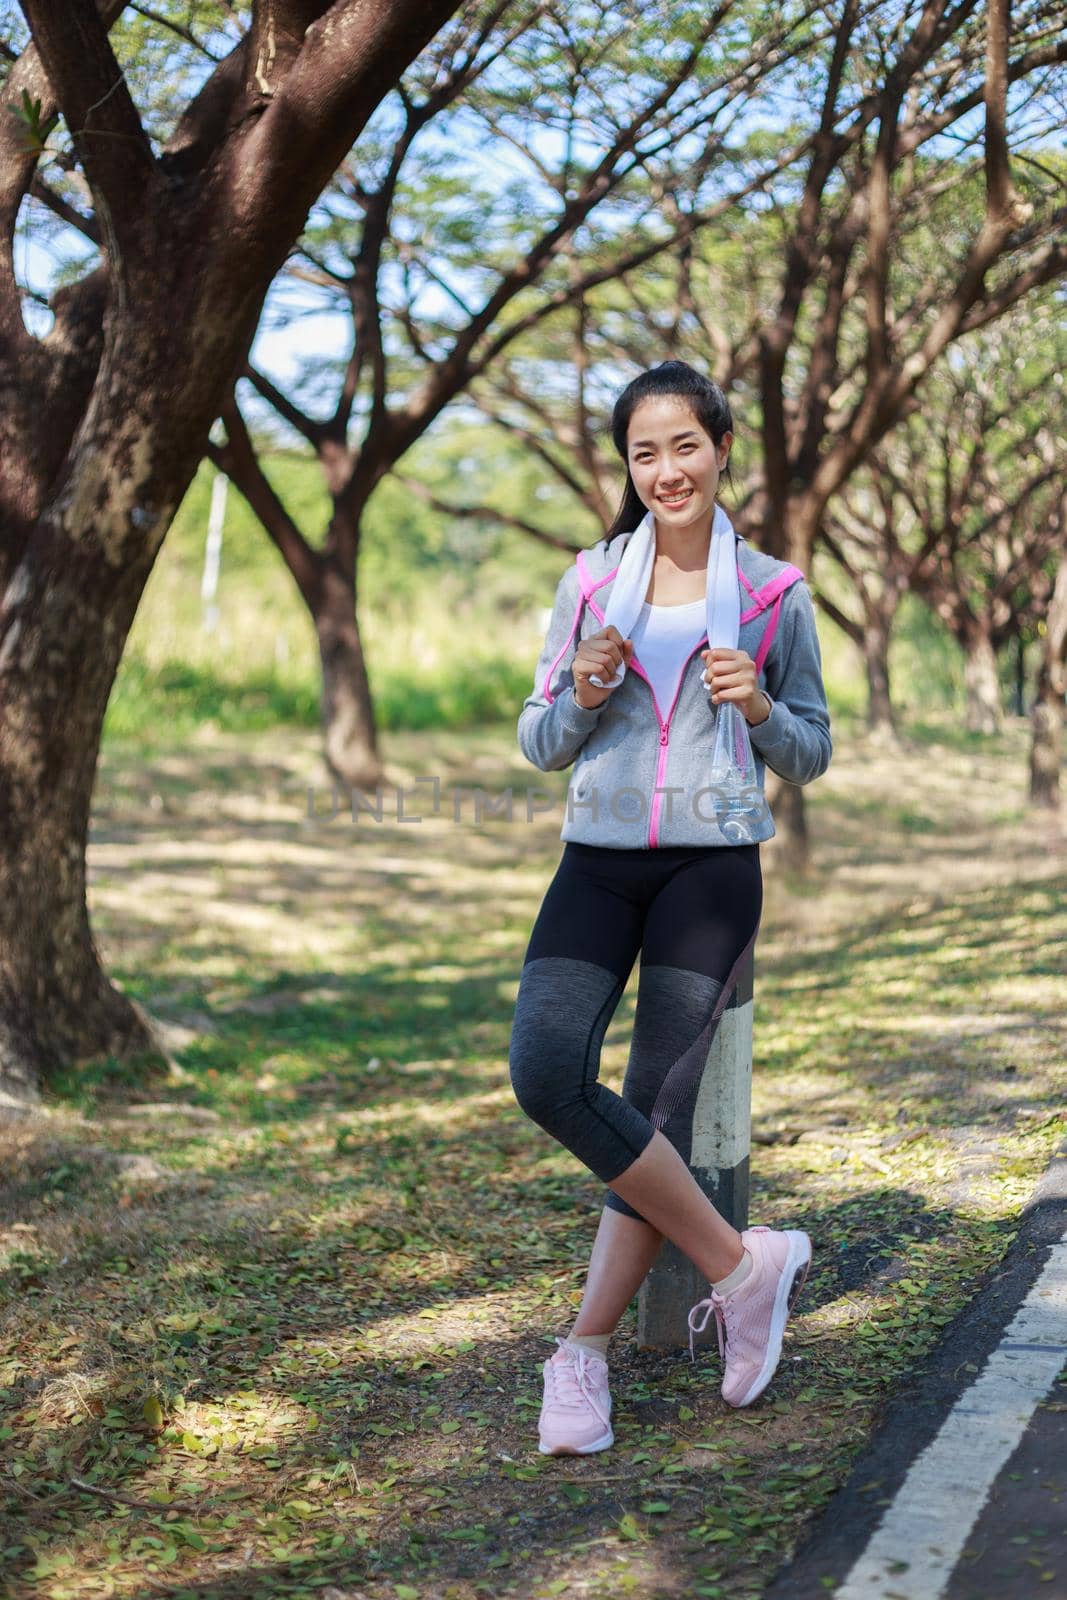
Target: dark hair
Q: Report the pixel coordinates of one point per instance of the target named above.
(703, 397)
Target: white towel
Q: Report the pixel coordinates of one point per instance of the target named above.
(722, 594)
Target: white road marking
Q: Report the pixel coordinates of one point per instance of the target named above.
(914, 1550)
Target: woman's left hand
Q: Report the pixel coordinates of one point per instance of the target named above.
(732, 675)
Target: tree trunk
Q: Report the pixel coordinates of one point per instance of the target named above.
(192, 240)
(981, 684)
(64, 618)
(1019, 708)
(1046, 716)
(348, 720)
(880, 718)
(787, 537)
(1046, 749)
(57, 1007)
(792, 847)
(326, 582)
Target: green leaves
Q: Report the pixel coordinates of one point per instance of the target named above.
(195, 1540)
(33, 127)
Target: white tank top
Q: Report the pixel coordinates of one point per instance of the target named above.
(664, 637)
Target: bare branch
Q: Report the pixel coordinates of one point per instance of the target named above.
(1045, 267)
(1017, 70)
(403, 315)
(532, 442)
(313, 276)
(63, 209)
(365, 287)
(966, 306)
(238, 459)
(853, 630)
(310, 109)
(314, 432)
(342, 280)
(449, 509)
(177, 28)
(452, 374)
(1001, 195)
(801, 261)
(408, 257)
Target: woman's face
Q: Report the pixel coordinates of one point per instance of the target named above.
(674, 464)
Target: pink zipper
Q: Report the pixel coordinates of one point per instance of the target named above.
(770, 595)
(664, 726)
(664, 740)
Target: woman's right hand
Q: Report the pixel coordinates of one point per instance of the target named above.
(601, 655)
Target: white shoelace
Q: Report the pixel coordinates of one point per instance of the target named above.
(571, 1382)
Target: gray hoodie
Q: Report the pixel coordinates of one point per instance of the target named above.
(640, 768)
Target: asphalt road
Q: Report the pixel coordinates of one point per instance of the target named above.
(962, 1492)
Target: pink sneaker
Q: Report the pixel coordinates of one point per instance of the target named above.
(754, 1315)
(576, 1412)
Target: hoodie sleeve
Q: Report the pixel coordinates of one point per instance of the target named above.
(553, 726)
(795, 739)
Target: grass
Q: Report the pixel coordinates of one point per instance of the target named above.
(255, 664)
(275, 1327)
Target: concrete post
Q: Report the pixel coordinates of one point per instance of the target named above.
(722, 1124)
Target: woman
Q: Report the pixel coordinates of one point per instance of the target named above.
(649, 864)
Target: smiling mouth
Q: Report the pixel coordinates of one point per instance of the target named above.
(676, 499)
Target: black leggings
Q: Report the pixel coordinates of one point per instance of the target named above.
(693, 912)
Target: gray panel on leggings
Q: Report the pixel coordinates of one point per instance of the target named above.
(562, 1012)
(673, 1007)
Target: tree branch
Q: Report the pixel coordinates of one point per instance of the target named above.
(17, 168)
(853, 630)
(238, 460)
(449, 509)
(91, 90)
(1046, 266)
(364, 292)
(310, 114)
(63, 209)
(457, 370)
(204, 121)
(540, 449)
(177, 28)
(314, 432)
